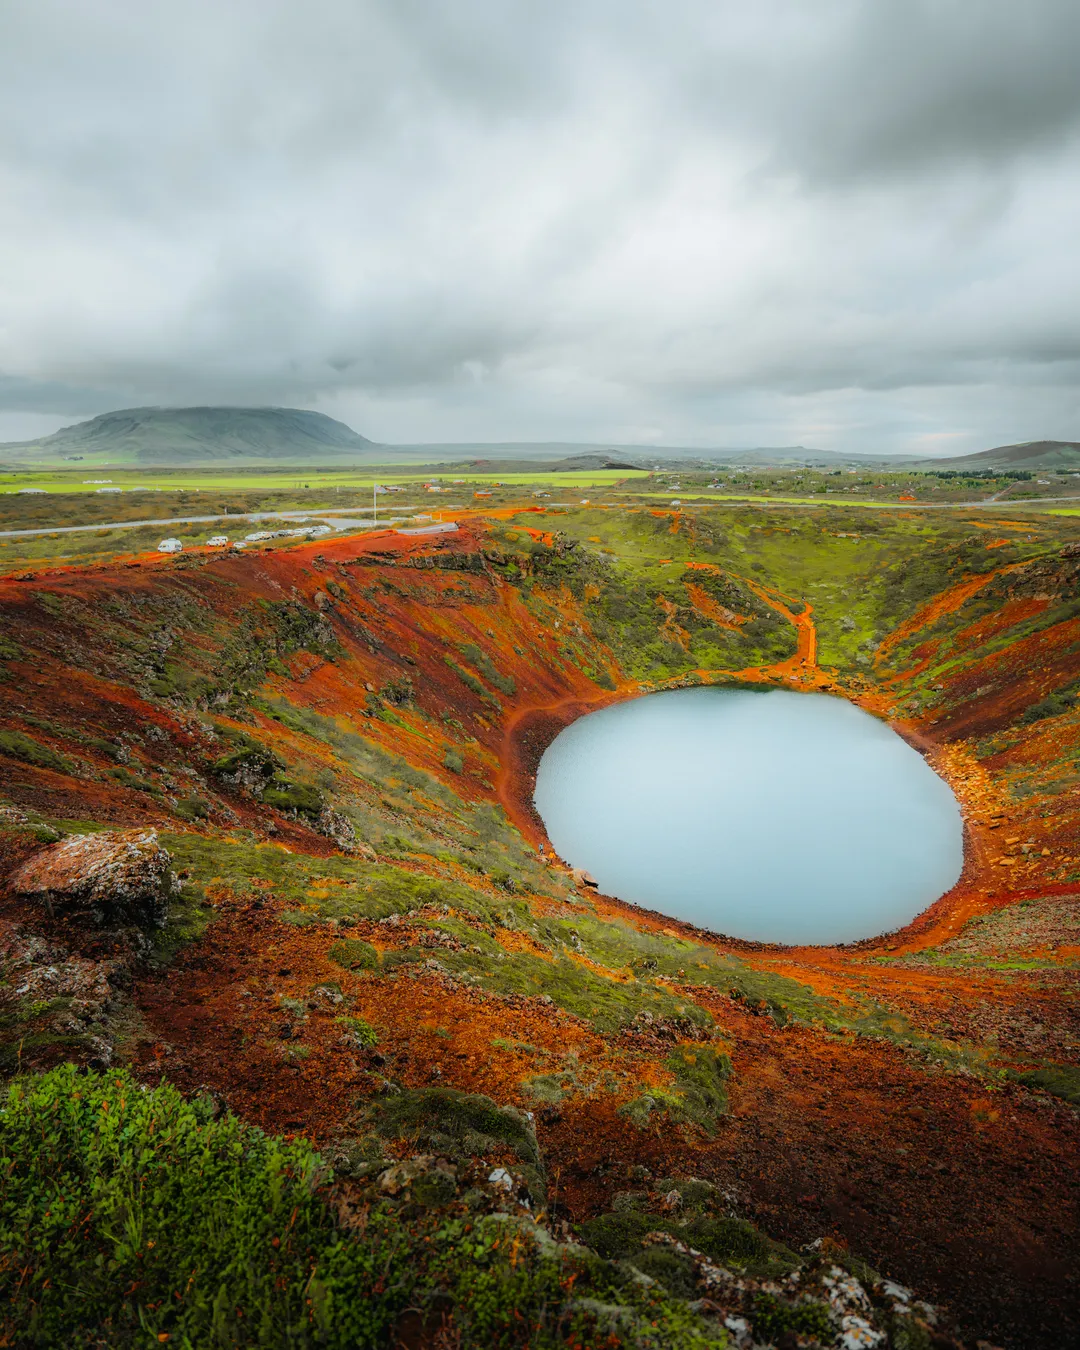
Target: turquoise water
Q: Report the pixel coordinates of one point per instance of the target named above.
(774, 816)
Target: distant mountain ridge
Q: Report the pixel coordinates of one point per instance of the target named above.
(188, 435)
(297, 436)
(198, 435)
(1022, 455)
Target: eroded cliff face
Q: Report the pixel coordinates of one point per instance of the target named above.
(335, 743)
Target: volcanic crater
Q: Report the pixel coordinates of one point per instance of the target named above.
(337, 743)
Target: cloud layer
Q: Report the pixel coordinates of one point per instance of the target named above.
(846, 224)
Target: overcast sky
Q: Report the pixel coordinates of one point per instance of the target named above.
(700, 222)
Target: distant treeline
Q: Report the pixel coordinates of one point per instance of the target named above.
(1021, 475)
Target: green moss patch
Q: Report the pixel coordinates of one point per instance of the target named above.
(17, 745)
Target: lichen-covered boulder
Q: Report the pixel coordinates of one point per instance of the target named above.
(116, 876)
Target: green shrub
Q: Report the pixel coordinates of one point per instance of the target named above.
(130, 1217)
(1053, 705)
(354, 954)
(18, 745)
(1060, 1080)
(488, 669)
(772, 1317)
(447, 1117)
(126, 1211)
(300, 797)
(132, 780)
(361, 1032)
(453, 761)
(467, 678)
(192, 808)
(701, 1075)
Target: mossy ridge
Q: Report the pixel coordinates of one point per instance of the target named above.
(368, 890)
(1044, 575)
(698, 1095)
(18, 745)
(697, 1218)
(1059, 1080)
(112, 1226)
(476, 834)
(375, 891)
(506, 684)
(442, 1119)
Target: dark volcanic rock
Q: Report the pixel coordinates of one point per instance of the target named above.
(115, 876)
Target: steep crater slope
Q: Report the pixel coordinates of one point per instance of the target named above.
(334, 742)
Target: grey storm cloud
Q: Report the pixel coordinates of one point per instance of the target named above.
(845, 223)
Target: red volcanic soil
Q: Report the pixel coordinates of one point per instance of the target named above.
(968, 1193)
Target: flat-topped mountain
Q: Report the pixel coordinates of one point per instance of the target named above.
(186, 435)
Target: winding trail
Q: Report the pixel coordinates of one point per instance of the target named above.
(805, 658)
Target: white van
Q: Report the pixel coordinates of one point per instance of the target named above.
(170, 546)
(217, 541)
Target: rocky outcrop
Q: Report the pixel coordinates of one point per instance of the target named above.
(117, 876)
(338, 827)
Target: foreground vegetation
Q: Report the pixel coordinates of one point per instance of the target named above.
(131, 1217)
(135, 1216)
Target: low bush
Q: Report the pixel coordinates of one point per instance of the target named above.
(299, 797)
(130, 1217)
(18, 745)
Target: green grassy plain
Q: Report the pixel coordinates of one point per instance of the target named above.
(150, 481)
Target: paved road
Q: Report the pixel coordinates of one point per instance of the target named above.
(341, 512)
(337, 513)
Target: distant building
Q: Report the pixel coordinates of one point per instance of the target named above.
(170, 546)
(110, 489)
(27, 492)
